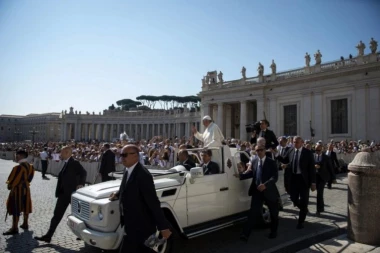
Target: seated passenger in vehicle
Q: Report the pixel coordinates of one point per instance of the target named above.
(183, 159)
(209, 167)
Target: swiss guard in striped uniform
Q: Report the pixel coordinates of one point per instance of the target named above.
(19, 200)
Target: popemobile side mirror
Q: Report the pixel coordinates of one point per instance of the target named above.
(196, 172)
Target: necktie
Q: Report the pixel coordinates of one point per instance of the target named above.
(259, 172)
(295, 164)
(319, 158)
(262, 133)
(282, 151)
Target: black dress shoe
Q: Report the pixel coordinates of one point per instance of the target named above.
(26, 227)
(272, 235)
(11, 232)
(300, 226)
(43, 238)
(243, 238)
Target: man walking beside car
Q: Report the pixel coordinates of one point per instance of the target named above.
(263, 189)
(140, 210)
(107, 164)
(70, 178)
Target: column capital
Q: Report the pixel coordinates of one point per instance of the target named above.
(243, 102)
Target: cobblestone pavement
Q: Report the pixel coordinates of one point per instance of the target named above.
(226, 240)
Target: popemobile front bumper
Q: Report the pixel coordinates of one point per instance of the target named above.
(103, 240)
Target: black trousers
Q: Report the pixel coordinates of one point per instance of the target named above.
(256, 214)
(299, 194)
(134, 244)
(44, 164)
(63, 202)
(320, 189)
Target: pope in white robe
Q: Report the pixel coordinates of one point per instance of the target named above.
(212, 136)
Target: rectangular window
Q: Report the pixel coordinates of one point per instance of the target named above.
(339, 116)
(290, 120)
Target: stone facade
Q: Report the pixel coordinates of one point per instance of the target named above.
(334, 100)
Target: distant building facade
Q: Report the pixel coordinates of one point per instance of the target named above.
(336, 100)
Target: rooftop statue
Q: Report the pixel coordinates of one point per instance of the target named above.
(307, 60)
(220, 77)
(373, 46)
(260, 69)
(243, 70)
(318, 57)
(273, 67)
(360, 47)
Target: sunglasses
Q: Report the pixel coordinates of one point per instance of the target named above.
(259, 150)
(126, 154)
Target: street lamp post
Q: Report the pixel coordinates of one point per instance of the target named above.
(33, 133)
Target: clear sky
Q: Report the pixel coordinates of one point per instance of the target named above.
(88, 53)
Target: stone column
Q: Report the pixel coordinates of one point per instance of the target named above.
(260, 108)
(272, 117)
(92, 131)
(63, 131)
(374, 111)
(169, 130)
(111, 132)
(86, 132)
(141, 131)
(153, 129)
(361, 112)
(147, 132)
(230, 123)
(318, 120)
(159, 129)
(220, 117)
(118, 130)
(106, 132)
(307, 113)
(130, 134)
(135, 133)
(205, 111)
(243, 120)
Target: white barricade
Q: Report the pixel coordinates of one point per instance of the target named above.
(7, 155)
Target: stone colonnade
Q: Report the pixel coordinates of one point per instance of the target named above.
(109, 131)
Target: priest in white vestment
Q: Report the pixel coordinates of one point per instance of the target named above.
(212, 136)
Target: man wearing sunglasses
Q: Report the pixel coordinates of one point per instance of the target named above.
(301, 171)
(323, 167)
(140, 211)
(264, 174)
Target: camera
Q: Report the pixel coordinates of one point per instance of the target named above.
(253, 127)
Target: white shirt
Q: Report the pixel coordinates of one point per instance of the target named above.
(211, 137)
(44, 155)
(130, 170)
(24, 160)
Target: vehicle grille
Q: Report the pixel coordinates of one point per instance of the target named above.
(80, 209)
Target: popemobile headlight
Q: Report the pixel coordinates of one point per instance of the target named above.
(100, 214)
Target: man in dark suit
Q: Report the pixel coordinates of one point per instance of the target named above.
(264, 174)
(141, 214)
(107, 163)
(334, 165)
(209, 167)
(282, 150)
(270, 137)
(184, 159)
(301, 171)
(70, 178)
(323, 167)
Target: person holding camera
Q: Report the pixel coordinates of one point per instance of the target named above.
(267, 134)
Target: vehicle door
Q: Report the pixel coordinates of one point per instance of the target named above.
(207, 196)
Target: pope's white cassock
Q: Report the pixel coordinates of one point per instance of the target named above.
(211, 137)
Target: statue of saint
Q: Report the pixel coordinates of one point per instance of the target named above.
(318, 57)
(260, 69)
(360, 48)
(243, 73)
(307, 60)
(373, 46)
(207, 79)
(273, 67)
(220, 77)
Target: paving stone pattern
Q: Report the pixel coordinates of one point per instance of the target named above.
(226, 240)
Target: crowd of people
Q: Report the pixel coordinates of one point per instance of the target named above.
(307, 165)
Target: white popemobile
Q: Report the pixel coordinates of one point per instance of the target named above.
(194, 204)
